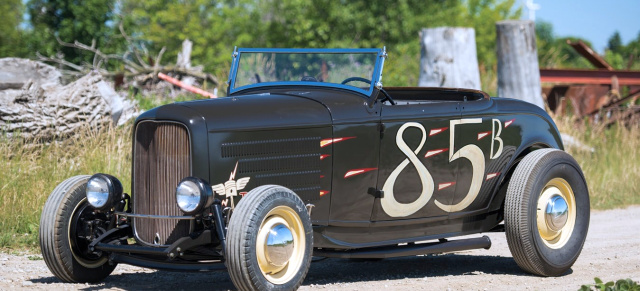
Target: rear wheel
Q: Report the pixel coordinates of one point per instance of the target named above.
(269, 242)
(547, 212)
(63, 247)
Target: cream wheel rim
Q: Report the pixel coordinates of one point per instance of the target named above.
(556, 213)
(281, 266)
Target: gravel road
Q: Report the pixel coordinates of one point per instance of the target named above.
(612, 251)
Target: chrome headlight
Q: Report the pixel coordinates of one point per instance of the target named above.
(103, 191)
(193, 195)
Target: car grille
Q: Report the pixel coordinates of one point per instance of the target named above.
(161, 158)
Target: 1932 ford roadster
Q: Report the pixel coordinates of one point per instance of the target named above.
(309, 155)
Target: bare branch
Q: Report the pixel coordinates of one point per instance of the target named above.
(133, 60)
(159, 57)
(133, 47)
(60, 61)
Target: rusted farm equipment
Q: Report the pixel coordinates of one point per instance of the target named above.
(593, 94)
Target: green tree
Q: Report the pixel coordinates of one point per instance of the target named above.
(615, 43)
(11, 43)
(369, 24)
(633, 54)
(555, 52)
(214, 28)
(325, 23)
(482, 15)
(71, 20)
(621, 56)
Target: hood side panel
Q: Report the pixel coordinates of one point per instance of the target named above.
(258, 112)
(292, 158)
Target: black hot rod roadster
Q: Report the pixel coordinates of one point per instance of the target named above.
(309, 155)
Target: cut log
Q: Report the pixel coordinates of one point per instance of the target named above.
(60, 111)
(15, 72)
(518, 71)
(448, 58)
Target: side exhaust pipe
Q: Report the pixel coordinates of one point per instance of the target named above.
(442, 246)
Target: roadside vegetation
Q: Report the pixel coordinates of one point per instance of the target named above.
(619, 285)
(612, 168)
(30, 171)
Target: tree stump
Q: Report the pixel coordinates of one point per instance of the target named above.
(184, 56)
(518, 71)
(448, 58)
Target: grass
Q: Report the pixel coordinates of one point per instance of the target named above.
(149, 102)
(612, 170)
(31, 170)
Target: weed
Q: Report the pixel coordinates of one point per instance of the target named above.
(612, 170)
(150, 102)
(30, 171)
(620, 285)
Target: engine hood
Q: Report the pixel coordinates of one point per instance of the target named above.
(260, 111)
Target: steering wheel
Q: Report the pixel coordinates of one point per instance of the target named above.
(351, 79)
(386, 95)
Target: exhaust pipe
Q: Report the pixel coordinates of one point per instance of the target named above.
(442, 246)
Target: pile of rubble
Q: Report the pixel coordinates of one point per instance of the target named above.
(35, 104)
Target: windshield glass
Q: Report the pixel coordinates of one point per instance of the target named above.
(349, 69)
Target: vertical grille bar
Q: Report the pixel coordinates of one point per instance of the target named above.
(161, 159)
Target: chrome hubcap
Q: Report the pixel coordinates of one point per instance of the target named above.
(279, 245)
(556, 213)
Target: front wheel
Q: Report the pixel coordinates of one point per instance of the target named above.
(269, 242)
(546, 212)
(63, 239)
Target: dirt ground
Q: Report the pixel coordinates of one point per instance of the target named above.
(612, 251)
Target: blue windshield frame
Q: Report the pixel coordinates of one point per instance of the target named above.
(376, 81)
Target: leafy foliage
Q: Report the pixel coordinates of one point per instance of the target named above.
(216, 27)
(554, 52)
(11, 36)
(622, 56)
(615, 42)
(620, 285)
(71, 20)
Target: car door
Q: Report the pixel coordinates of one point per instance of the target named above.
(415, 174)
(485, 149)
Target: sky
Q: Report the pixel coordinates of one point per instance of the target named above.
(593, 20)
